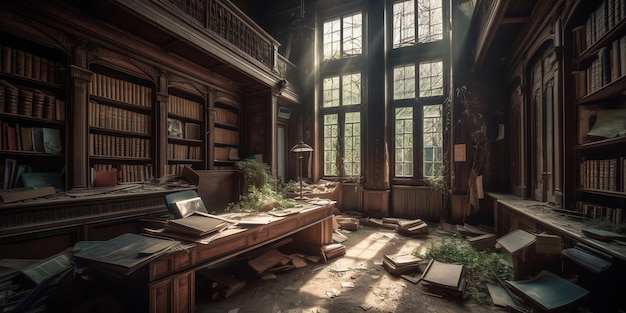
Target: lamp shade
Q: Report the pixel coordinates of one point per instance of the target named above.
(301, 147)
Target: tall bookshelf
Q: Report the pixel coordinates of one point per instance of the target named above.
(226, 136)
(185, 131)
(597, 38)
(32, 111)
(120, 126)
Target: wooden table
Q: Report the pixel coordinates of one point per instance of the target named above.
(171, 277)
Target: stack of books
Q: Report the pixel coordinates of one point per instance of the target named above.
(332, 251)
(445, 278)
(401, 263)
(415, 227)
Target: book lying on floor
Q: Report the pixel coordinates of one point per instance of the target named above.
(548, 291)
(446, 277)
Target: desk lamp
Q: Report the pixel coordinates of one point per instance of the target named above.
(300, 148)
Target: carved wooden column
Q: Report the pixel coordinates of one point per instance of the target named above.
(78, 163)
(376, 193)
(209, 139)
(162, 98)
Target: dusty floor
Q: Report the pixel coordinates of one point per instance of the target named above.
(318, 286)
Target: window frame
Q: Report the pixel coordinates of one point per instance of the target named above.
(417, 103)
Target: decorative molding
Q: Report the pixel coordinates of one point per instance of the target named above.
(100, 55)
(185, 84)
(35, 31)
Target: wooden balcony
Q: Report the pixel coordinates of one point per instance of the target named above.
(214, 33)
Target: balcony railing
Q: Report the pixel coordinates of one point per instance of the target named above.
(230, 23)
(485, 16)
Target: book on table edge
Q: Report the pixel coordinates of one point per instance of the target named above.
(19, 194)
(125, 253)
(198, 225)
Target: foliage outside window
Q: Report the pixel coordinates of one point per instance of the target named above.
(413, 116)
(429, 26)
(342, 125)
(342, 37)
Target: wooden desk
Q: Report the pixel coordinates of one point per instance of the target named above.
(511, 211)
(171, 277)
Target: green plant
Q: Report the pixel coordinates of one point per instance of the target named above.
(261, 192)
(480, 266)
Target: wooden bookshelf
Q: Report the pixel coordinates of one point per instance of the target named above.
(120, 119)
(226, 135)
(185, 131)
(596, 35)
(32, 109)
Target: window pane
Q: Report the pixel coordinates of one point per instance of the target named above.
(352, 140)
(404, 142)
(430, 20)
(404, 82)
(431, 79)
(332, 39)
(352, 35)
(351, 89)
(331, 132)
(433, 140)
(330, 92)
(403, 24)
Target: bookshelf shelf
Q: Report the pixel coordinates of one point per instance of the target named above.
(106, 131)
(604, 92)
(32, 154)
(186, 130)
(603, 192)
(121, 125)
(612, 34)
(32, 109)
(599, 45)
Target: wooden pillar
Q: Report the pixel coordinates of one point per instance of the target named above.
(162, 98)
(376, 193)
(79, 128)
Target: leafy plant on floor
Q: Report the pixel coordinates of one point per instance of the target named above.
(261, 193)
(479, 265)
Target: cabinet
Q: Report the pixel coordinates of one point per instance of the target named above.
(226, 136)
(596, 33)
(32, 111)
(185, 132)
(120, 126)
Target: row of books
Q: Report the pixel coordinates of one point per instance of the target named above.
(183, 152)
(607, 15)
(175, 169)
(226, 136)
(224, 154)
(184, 107)
(27, 64)
(609, 66)
(14, 137)
(127, 173)
(104, 116)
(30, 102)
(105, 145)
(603, 174)
(226, 116)
(600, 213)
(120, 90)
